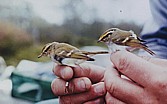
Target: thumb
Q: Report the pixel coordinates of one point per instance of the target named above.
(134, 67)
(93, 72)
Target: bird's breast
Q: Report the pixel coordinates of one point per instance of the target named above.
(66, 61)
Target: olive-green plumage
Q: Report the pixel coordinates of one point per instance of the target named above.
(124, 38)
(59, 51)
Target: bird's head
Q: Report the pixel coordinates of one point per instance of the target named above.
(106, 36)
(47, 49)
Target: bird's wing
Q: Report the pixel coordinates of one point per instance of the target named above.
(140, 45)
(120, 40)
(137, 41)
(65, 49)
(80, 55)
(75, 53)
(132, 42)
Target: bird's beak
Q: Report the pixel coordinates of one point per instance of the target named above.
(40, 55)
(98, 41)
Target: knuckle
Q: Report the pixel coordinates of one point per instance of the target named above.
(150, 101)
(111, 102)
(114, 101)
(75, 85)
(123, 63)
(79, 85)
(71, 87)
(65, 100)
(147, 99)
(160, 82)
(97, 101)
(86, 70)
(111, 88)
(87, 83)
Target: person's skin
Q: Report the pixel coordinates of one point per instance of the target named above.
(149, 77)
(148, 85)
(86, 84)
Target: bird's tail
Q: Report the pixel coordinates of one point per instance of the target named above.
(81, 56)
(145, 47)
(149, 51)
(141, 46)
(93, 53)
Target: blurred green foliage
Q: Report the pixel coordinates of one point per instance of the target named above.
(23, 32)
(12, 40)
(16, 44)
(28, 53)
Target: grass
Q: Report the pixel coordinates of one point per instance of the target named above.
(28, 53)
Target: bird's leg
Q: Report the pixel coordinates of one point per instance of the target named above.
(112, 47)
(79, 62)
(130, 49)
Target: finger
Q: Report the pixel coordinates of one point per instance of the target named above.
(93, 72)
(157, 61)
(63, 72)
(136, 68)
(96, 91)
(122, 89)
(76, 85)
(96, 101)
(111, 100)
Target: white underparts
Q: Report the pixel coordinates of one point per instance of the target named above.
(113, 47)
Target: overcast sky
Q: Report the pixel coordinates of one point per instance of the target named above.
(114, 11)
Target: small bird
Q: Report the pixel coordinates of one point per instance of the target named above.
(65, 54)
(114, 36)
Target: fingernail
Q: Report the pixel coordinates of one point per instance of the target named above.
(62, 72)
(66, 73)
(81, 84)
(99, 89)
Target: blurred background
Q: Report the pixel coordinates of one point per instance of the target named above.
(26, 25)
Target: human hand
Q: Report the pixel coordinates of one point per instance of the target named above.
(148, 75)
(85, 84)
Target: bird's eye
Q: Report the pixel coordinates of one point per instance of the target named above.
(107, 35)
(46, 49)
